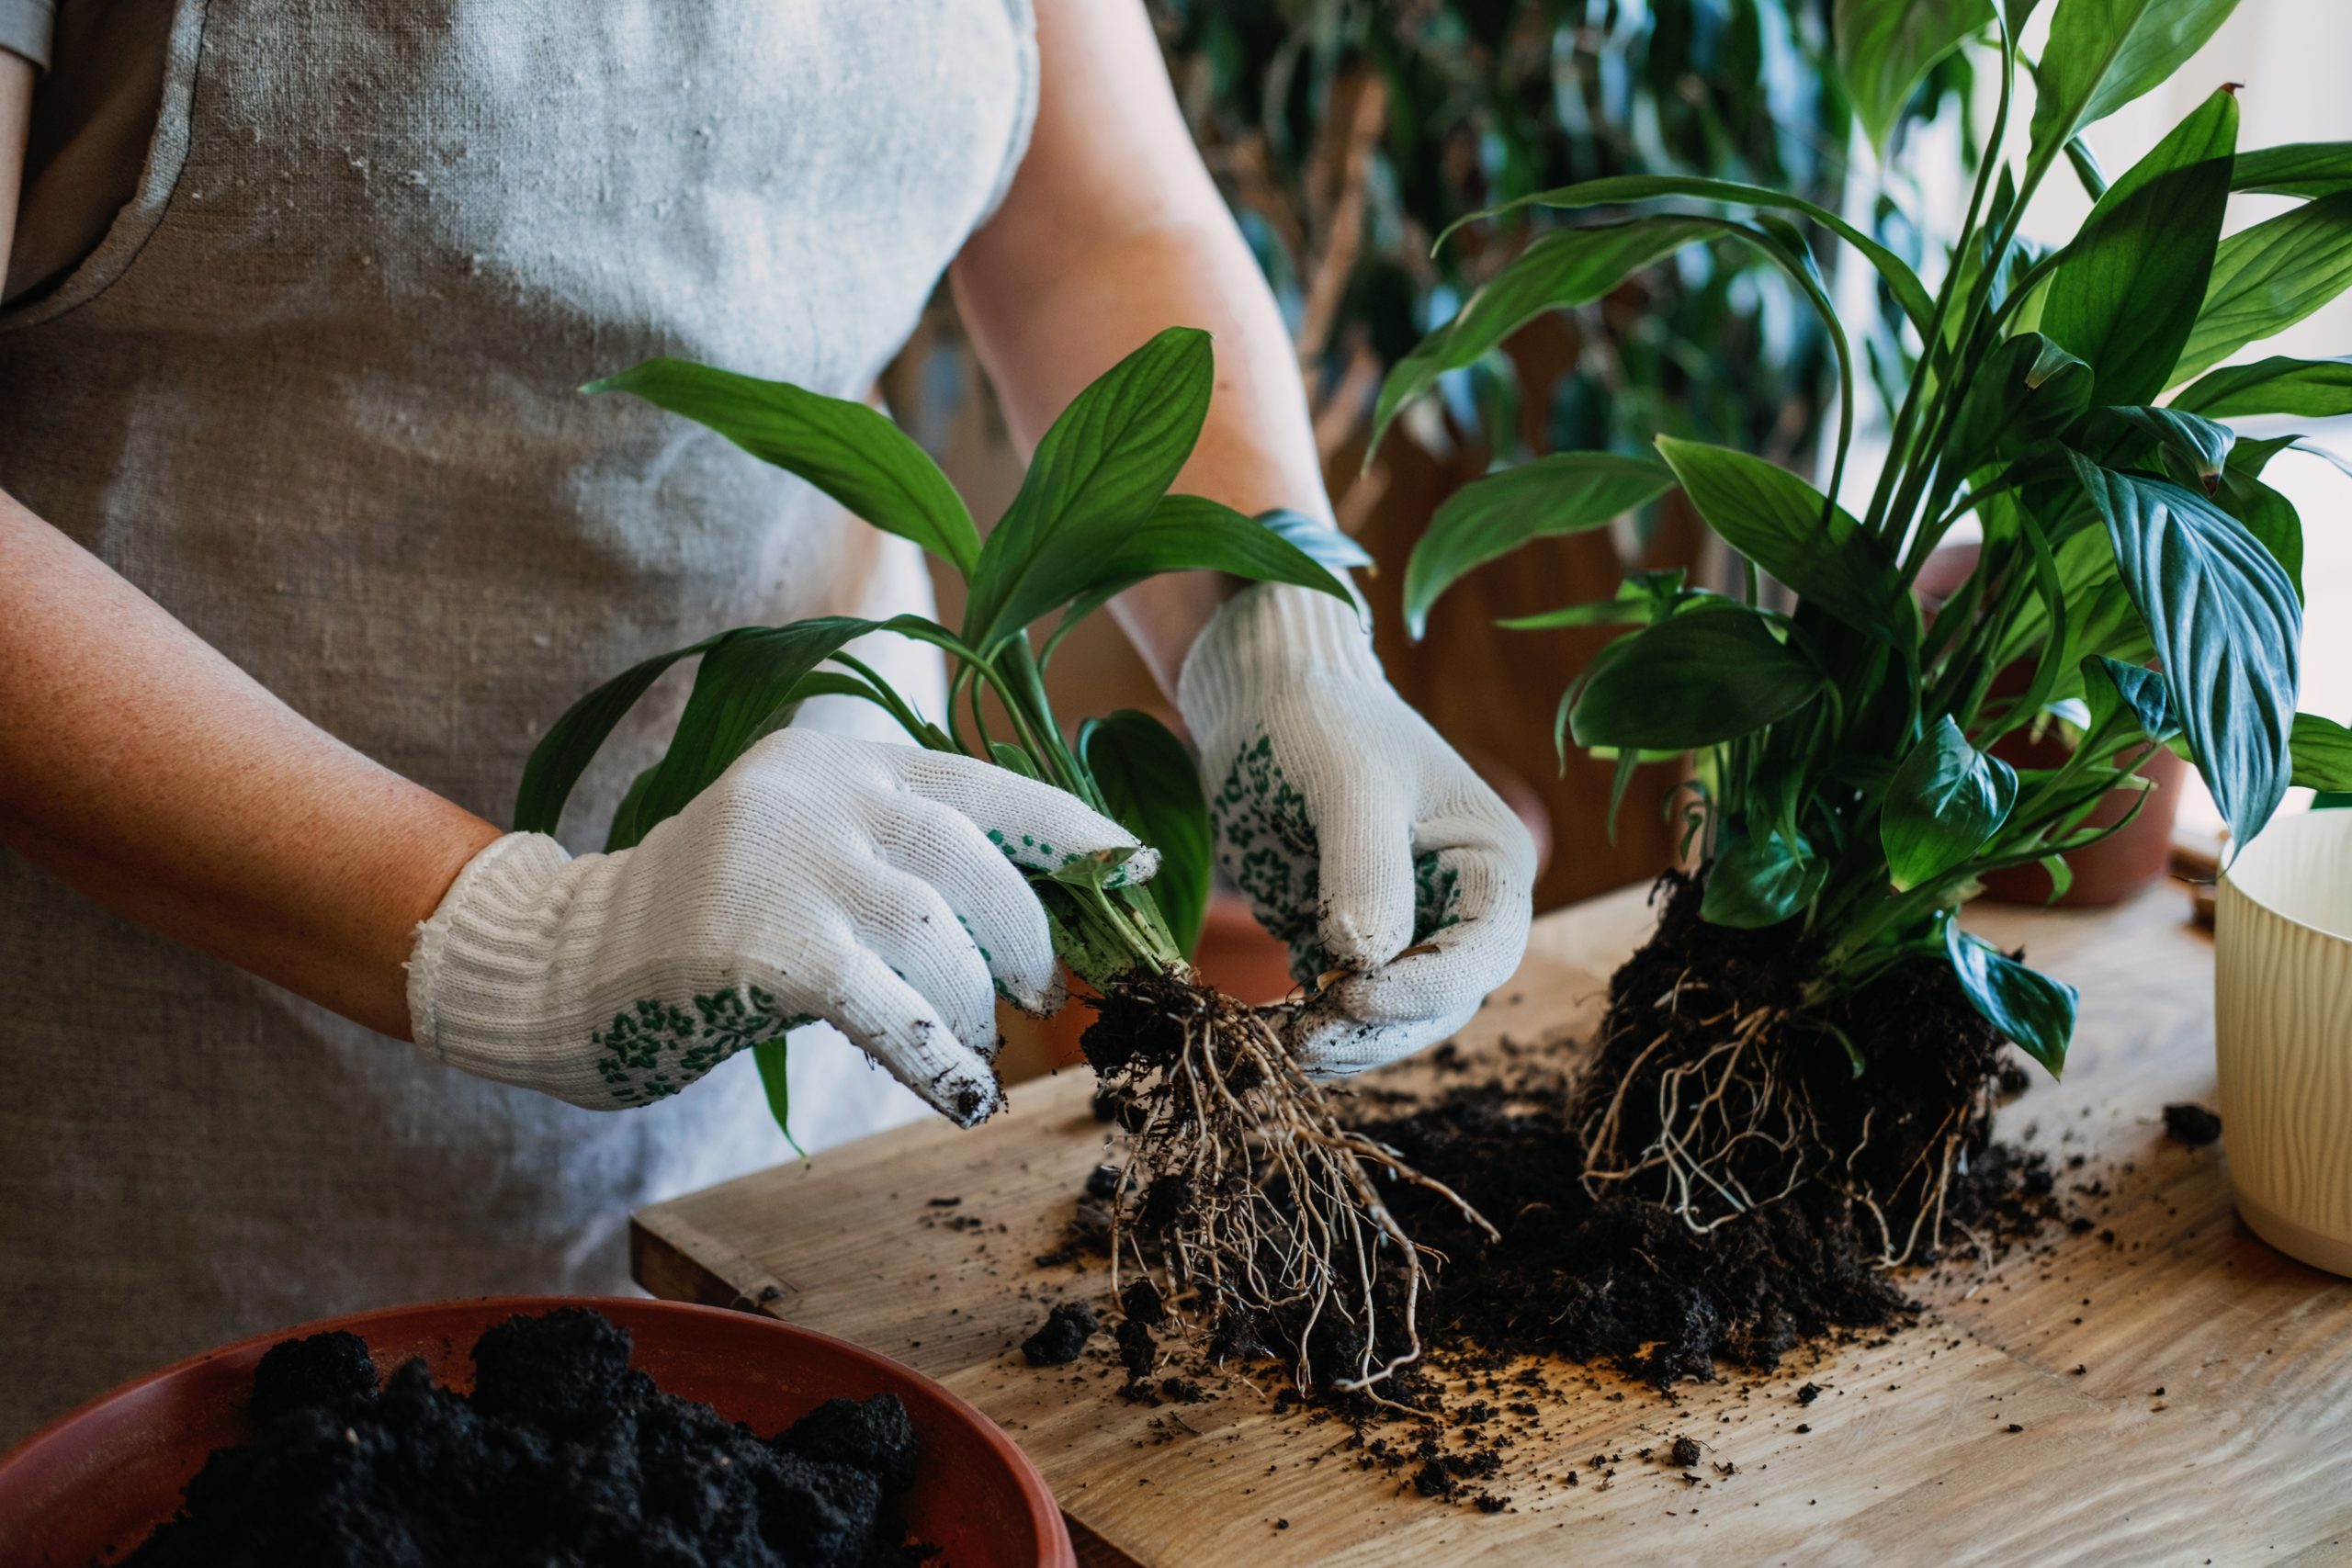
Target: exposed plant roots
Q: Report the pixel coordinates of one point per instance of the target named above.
(1241, 1187)
(1714, 1094)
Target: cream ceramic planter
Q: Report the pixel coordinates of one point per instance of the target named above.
(2283, 1022)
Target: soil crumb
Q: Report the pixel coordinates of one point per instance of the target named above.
(563, 1455)
(2191, 1124)
(1063, 1334)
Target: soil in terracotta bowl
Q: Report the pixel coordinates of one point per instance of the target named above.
(561, 1455)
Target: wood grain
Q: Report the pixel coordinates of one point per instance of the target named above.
(2241, 1457)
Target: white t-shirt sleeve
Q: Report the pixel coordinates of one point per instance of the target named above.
(26, 27)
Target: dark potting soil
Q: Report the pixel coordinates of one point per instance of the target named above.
(561, 1456)
(2191, 1124)
(1063, 1334)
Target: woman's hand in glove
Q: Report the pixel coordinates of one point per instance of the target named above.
(876, 887)
(1362, 839)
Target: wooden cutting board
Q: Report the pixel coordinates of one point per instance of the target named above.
(2160, 1388)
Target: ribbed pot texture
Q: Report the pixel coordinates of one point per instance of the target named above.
(2282, 1020)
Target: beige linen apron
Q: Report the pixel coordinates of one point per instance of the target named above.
(313, 394)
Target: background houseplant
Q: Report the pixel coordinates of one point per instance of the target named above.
(1844, 799)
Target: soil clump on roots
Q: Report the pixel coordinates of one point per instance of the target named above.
(1242, 1187)
(562, 1454)
(1714, 1189)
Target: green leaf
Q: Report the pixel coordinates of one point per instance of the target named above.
(2104, 54)
(2029, 1008)
(1754, 883)
(1945, 800)
(2138, 435)
(2313, 389)
(1321, 540)
(2114, 689)
(1013, 759)
(1097, 475)
(2227, 628)
(1152, 787)
(2269, 517)
(1886, 49)
(846, 449)
(1910, 294)
(1641, 598)
(771, 1056)
(745, 688)
(2026, 391)
(1190, 533)
(1564, 267)
(572, 742)
(1564, 493)
(2125, 297)
(2268, 278)
(1691, 680)
(2322, 750)
(1781, 524)
(2303, 168)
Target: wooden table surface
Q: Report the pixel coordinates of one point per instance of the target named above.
(2182, 1389)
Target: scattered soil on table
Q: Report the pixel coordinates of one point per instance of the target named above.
(1605, 1272)
(1063, 1336)
(562, 1455)
(2191, 1124)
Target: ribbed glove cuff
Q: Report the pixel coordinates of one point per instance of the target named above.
(486, 943)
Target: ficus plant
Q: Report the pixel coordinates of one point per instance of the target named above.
(1265, 1202)
(2137, 584)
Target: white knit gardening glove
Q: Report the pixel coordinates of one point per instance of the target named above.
(873, 886)
(1357, 833)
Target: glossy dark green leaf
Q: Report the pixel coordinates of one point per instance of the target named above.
(2268, 516)
(2114, 689)
(573, 740)
(1612, 190)
(1758, 882)
(772, 1056)
(2268, 278)
(2313, 389)
(2142, 436)
(1776, 520)
(2322, 750)
(1884, 50)
(744, 687)
(1321, 540)
(1693, 680)
(2025, 1005)
(2226, 625)
(1564, 493)
(1945, 800)
(2307, 169)
(1097, 475)
(1190, 533)
(846, 449)
(2101, 54)
(2126, 295)
(2027, 389)
(1152, 787)
(1562, 267)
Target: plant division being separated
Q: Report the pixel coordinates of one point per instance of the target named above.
(1810, 1015)
(1242, 1186)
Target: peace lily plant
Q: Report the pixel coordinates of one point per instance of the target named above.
(2132, 560)
(1260, 1201)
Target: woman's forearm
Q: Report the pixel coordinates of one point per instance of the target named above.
(1110, 232)
(143, 768)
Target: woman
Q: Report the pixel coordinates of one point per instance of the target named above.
(305, 539)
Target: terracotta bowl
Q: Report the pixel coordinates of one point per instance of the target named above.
(92, 1484)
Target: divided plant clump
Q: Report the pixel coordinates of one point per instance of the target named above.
(1243, 1188)
(1826, 1023)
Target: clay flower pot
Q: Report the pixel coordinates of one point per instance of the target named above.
(2283, 1030)
(2115, 867)
(92, 1484)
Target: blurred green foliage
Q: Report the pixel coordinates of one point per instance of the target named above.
(1480, 101)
